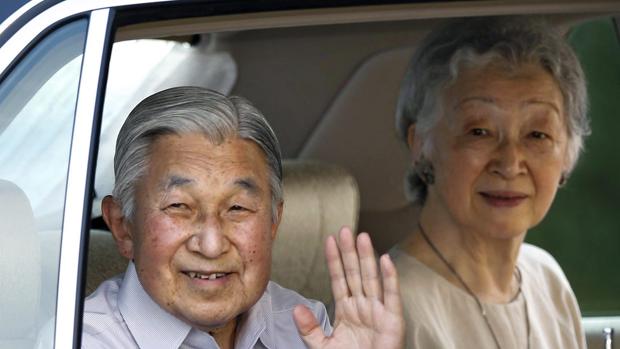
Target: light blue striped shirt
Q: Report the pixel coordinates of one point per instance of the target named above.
(120, 314)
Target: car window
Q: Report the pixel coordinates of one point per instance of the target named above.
(37, 100)
(154, 65)
(582, 229)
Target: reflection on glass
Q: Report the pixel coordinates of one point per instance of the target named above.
(37, 104)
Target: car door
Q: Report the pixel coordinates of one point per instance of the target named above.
(53, 74)
(50, 68)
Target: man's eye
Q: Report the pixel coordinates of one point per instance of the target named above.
(237, 208)
(178, 205)
(479, 132)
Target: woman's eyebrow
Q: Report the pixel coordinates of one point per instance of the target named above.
(552, 105)
(481, 99)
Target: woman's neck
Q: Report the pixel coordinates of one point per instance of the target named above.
(485, 264)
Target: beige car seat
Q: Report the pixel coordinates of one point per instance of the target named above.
(318, 200)
(20, 269)
(368, 101)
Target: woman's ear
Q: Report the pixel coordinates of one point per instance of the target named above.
(414, 142)
(116, 221)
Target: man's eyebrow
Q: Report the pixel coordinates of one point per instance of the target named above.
(176, 181)
(248, 184)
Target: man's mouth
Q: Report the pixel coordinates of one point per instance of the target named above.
(210, 276)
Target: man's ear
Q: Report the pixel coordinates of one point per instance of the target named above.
(276, 224)
(116, 221)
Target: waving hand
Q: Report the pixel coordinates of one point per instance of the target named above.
(368, 305)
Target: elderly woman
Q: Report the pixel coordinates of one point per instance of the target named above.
(494, 113)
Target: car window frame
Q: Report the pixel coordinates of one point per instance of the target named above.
(141, 28)
(84, 144)
(84, 147)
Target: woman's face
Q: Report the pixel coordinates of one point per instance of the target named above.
(499, 149)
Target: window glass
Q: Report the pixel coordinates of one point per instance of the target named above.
(582, 229)
(37, 100)
(154, 65)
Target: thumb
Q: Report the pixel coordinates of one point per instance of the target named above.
(308, 327)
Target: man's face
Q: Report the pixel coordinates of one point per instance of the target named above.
(202, 232)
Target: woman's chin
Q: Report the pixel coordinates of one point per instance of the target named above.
(508, 232)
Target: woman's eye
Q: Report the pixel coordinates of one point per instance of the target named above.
(539, 135)
(479, 132)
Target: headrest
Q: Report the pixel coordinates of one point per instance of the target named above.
(368, 101)
(104, 260)
(318, 200)
(20, 264)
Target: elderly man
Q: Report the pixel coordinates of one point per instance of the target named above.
(196, 206)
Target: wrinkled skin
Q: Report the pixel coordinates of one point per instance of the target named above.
(201, 208)
(499, 151)
(369, 311)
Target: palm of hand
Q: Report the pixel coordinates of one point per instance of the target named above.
(366, 323)
(368, 306)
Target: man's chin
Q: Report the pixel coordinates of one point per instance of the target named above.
(210, 311)
(213, 316)
(213, 326)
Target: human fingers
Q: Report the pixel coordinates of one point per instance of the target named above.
(308, 327)
(350, 261)
(369, 270)
(391, 288)
(340, 289)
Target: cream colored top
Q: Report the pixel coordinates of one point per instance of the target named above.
(441, 315)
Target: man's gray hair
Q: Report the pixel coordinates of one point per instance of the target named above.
(478, 42)
(182, 110)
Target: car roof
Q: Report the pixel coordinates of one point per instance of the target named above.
(15, 13)
(10, 6)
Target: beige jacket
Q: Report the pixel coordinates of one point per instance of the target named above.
(441, 315)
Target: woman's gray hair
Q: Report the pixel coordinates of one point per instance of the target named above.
(182, 110)
(477, 42)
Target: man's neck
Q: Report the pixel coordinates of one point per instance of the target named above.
(225, 335)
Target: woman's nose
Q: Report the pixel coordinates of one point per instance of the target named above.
(508, 160)
(210, 239)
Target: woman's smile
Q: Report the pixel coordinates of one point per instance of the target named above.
(488, 153)
(501, 199)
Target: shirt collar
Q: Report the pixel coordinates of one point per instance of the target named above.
(150, 325)
(257, 324)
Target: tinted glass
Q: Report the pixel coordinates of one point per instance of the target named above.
(582, 229)
(37, 104)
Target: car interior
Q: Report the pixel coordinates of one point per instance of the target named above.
(328, 87)
(326, 79)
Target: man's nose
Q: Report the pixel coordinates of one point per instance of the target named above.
(210, 238)
(508, 160)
